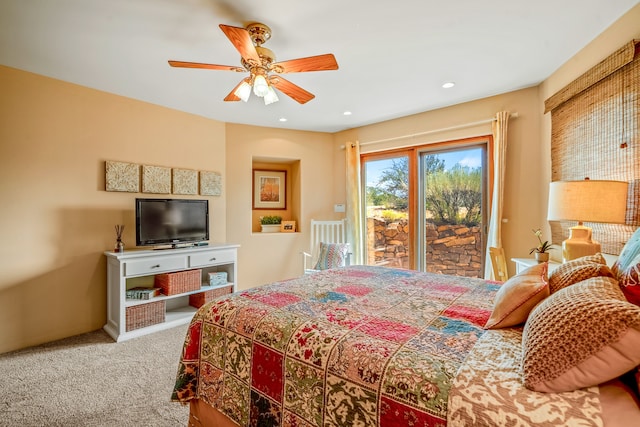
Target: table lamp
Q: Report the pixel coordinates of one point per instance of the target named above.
(590, 201)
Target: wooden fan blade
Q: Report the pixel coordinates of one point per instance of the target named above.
(232, 96)
(324, 62)
(292, 90)
(243, 43)
(182, 64)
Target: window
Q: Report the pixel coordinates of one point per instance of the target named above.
(386, 193)
(425, 207)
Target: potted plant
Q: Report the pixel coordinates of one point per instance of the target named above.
(270, 223)
(540, 251)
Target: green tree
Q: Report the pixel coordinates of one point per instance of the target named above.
(394, 182)
(454, 196)
(376, 197)
(433, 164)
(393, 186)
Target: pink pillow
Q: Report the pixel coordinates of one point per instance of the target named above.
(627, 268)
(517, 297)
(620, 404)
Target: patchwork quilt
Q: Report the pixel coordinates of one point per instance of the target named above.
(361, 345)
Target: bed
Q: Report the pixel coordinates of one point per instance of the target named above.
(377, 346)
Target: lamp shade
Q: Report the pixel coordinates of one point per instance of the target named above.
(588, 200)
(244, 91)
(271, 96)
(260, 86)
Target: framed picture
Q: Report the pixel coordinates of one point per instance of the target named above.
(288, 227)
(269, 189)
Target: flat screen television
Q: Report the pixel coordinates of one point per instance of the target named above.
(171, 221)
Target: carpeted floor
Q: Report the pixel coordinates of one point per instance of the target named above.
(89, 380)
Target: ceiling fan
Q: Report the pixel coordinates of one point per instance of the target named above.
(264, 73)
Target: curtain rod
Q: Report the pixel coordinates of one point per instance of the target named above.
(461, 126)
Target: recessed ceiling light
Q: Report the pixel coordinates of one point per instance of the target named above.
(282, 119)
(347, 113)
(448, 85)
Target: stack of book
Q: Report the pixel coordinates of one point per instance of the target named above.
(142, 293)
(218, 278)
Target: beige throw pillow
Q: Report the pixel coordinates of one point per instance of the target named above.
(580, 336)
(517, 297)
(577, 270)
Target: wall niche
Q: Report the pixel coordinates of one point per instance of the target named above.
(272, 180)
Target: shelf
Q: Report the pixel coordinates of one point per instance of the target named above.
(256, 233)
(140, 268)
(173, 318)
(180, 313)
(133, 302)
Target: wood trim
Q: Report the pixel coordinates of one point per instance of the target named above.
(412, 206)
(201, 414)
(413, 157)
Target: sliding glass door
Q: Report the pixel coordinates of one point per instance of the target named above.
(453, 210)
(426, 207)
(386, 193)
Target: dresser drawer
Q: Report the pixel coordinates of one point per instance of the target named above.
(211, 258)
(154, 265)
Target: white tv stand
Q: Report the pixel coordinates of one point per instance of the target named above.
(134, 268)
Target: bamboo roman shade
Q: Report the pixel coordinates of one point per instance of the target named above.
(595, 134)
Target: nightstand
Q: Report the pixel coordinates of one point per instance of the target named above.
(523, 263)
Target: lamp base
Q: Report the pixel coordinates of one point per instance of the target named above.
(579, 243)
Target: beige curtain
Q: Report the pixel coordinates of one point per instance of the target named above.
(494, 235)
(354, 202)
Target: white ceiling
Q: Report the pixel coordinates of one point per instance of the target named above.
(393, 56)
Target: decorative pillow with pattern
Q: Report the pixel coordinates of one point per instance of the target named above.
(582, 335)
(627, 268)
(332, 255)
(517, 297)
(577, 270)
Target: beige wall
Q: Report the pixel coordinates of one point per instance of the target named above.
(267, 257)
(524, 158)
(528, 154)
(56, 219)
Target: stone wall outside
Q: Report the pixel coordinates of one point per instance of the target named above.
(451, 249)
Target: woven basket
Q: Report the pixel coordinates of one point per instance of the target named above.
(201, 298)
(142, 315)
(179, 282)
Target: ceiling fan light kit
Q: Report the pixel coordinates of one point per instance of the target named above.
(260, 86)
(271, 96)
(259, 62)
(243, 91)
